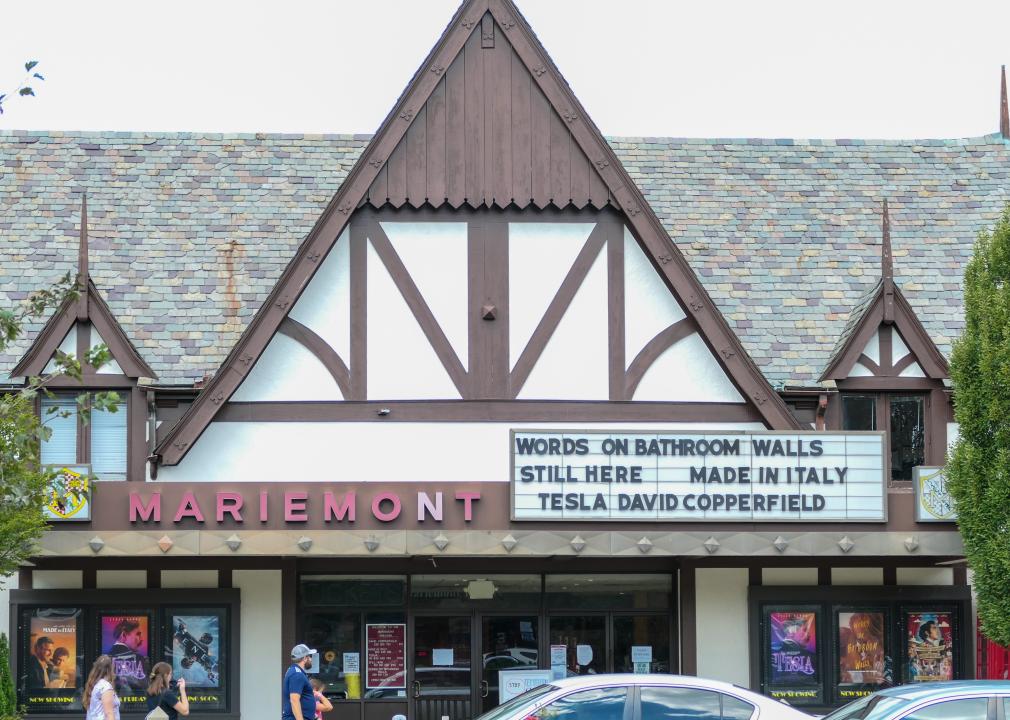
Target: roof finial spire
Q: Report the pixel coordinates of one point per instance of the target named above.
(83, 274)
(1004, 115)
(887, 266)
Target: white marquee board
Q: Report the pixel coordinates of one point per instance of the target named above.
(686, 476)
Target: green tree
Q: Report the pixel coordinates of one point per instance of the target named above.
(23, 481)
(979, 466)
(8, 700)
(24, 88)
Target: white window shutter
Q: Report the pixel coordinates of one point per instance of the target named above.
(61, 447)
(108, 444)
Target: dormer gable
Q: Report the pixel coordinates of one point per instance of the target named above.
(80, 324)
(884, 345)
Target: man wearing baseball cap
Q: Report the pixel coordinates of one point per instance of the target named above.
(297, 700)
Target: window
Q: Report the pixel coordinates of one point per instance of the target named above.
(100, 441)
(594, 704)
(641, 643)
(903, 417)
(681, 703)
(966, 709)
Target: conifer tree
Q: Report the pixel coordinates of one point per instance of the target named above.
(978, 468)
(8, 700)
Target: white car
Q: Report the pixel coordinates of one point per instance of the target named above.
(641, 697)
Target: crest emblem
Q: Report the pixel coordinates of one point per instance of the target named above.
(69, 494)
(935, 503)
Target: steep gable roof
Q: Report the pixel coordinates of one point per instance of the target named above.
(486, 20)
(89, 308)
(884, 305)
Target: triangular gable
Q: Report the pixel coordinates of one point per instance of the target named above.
(403, 135)
(883, 337)
(88, 320)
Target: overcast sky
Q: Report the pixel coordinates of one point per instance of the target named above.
(848, 68)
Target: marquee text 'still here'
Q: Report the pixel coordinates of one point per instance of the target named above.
(753, 474)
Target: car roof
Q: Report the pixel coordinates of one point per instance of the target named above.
(651, 679)
(928, 691)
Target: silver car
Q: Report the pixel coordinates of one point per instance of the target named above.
(641, 697)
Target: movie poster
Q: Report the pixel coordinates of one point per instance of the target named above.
(126, 638)
(793, 671)
(195, 647)
(930, 646)
(863, 662)
(51, 665)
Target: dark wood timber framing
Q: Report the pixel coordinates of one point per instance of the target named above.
(511, 30)
(652, 350)
(322, 351)
(558, 307)
(1004, 113)
(486, 410)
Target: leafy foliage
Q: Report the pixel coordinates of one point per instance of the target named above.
(979, 466)
(24, 483)
(25, 87)
(8, 700)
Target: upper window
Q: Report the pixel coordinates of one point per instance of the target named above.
(100, 440)
(902, 417)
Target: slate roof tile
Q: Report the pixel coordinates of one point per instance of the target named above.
(189, 231)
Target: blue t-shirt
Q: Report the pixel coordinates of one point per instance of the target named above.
(296, 681)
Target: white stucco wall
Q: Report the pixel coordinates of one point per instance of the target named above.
(189, 578)
(722, 624)
(107, 579)
(57, 579)
(259, 683)
(789, 576)
(857, 576)
(6, 585)
(926, 576)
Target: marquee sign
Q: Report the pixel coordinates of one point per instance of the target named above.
(726, 476)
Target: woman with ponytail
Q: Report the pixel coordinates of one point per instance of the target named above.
(160, 692)
(100, 691)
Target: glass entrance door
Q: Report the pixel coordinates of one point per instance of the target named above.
(507, 643)
(442, 669)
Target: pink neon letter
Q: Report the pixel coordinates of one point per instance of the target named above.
(424, 504)
(377, 510)
(264, 514)
(338, 511)
(294, 507)
(229, 503)
(144, 513)
(468, 499)
(188, 507)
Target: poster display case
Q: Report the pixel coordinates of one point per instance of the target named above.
(825, 646)
(60, 633)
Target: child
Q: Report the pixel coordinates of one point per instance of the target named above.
(322, 702)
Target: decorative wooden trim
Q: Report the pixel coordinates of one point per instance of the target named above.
(495, 272)
(92, 382)
(755, 576)
(137, 447)
(557, 308)
(616, 314)
(905, 362)
(868, 363)
(646, 227)
(24, 579)
(488, 411)
(319, 240)
(37, 356)
(651, 352)
(841, 366)
(358, 261)
(124, 352)
(419, 307)
(153, 578)
(224, 578)
(890, 575)
(289, 607)
(321, 350)
(823, 575)
(89, 578)
(641, 219)
(882, 384)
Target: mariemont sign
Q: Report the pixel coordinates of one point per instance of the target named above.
(718, 476)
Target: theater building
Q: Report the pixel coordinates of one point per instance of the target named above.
(490, 393)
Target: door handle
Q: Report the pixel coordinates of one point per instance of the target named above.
(417, 688)
(484, 689)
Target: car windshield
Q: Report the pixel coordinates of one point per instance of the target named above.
(865, 708)
(529, 697)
